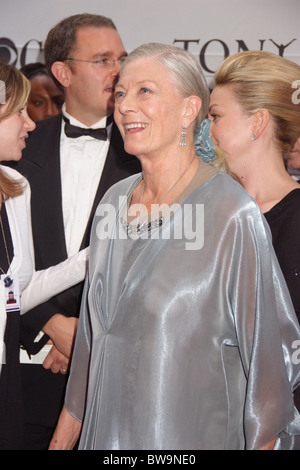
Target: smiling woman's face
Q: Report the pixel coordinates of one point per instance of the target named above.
(148, 108)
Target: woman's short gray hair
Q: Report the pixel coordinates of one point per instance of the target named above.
(183, 65)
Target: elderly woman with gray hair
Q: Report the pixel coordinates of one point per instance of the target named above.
(186, 328)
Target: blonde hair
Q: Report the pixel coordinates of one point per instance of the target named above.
(17, 89)
(263, 80)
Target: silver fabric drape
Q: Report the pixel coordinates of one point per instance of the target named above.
(185, 348)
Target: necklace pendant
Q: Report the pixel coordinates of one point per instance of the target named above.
(139, 229)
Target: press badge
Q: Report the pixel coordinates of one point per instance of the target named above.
(11, 292)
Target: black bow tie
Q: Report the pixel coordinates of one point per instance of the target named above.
(75, 131)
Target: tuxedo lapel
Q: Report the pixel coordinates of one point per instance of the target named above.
(41, 159)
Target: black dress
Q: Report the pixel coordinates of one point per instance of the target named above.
(11, 405)
(284, 222)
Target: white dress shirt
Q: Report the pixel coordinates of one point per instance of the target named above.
(82, 162)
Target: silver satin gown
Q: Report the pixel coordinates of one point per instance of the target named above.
(185, 348)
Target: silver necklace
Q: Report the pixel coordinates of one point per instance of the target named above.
(173, 185)
(147, 226)
(139, 228)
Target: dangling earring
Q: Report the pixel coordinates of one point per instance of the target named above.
(252, 137)
(182, 142)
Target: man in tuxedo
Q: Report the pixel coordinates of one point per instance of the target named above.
(68, 174)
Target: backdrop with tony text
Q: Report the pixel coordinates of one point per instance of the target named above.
(211, 29)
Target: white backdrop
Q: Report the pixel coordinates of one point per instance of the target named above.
(210, 29)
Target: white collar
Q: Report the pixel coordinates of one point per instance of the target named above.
(75, 122)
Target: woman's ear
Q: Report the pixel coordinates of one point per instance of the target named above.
(192, 108)
(61, 72)
(260, 121)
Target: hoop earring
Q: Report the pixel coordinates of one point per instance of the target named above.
(182, 142)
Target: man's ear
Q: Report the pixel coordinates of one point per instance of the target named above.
(192, 109)
(61, 72)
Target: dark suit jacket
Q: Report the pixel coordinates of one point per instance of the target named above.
(40, 164)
